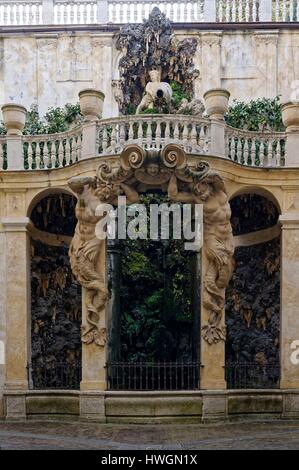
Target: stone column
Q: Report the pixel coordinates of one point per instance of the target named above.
(289, 329)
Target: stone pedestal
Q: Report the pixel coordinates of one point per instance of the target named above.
(17, 282)
(289, 336)
(92, 407)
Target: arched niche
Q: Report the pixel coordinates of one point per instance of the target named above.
(55, 294)
(253, 294)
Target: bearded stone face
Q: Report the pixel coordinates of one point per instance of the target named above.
(202, 191)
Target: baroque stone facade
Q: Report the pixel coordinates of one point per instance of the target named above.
(49, 69)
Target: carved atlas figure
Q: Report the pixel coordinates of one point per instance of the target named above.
(136, 171)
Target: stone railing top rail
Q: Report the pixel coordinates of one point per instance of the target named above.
(262, 134)
(71, 12)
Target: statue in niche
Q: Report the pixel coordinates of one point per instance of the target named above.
(152, 46)
(155, 90)
(87, 251)
(218, 246)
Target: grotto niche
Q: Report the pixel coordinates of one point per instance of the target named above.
(151, 46)
(55, 296)
(253, 295)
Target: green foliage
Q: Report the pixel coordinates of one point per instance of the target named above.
(55, 120)
(261, 114)
(156, 297)
(177, 94)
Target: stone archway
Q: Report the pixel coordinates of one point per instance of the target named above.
(55, 361)
(135, 171)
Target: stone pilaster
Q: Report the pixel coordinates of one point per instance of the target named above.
(211, 61)
(212, 356)
(94, 357)
(289, 336)
(17, 293)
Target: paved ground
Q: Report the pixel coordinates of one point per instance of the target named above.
(57, 435)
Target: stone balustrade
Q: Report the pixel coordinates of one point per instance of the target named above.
(154, 131)
(43, 12)
(194, 134)
(255, 148)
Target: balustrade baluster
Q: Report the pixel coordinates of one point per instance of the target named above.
(30, 155)
(50, 154)
(17, 14)
(227, 13)
(246, 152)
(254, 11)
(131, 133)
(46, 155)
(72, 14)
(193, 137)
(234, 11)
(171, 12)
(122, 135)
(113, 138)
(73, 150)
(78, 148)
(270, 152)
(292, 10)
(104, 140)
(277, 11)
(114, 12)
(262, 153)
(1, 156)
(140, 133)
(149, 135)
(239, 150)
(176, 133)
(227, 141)
(284, 10)
(247, 11)
(202, 138)
(158, 135)
(38, 14)
(240, 11)
(167, 132)
(185, 11)
(135, 12)
(67, 152)
(60, 154)
(37, 156)
(220, 12)
(185, 136)
(297, 11)
(84, 13)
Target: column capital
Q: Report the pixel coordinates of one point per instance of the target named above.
(15, 224)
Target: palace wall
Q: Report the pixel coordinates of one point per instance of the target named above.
(50, 68)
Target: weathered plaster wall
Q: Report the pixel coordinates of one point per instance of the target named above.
(2, 318)
(50, 68)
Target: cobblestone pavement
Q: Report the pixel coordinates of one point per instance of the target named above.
(62, 435)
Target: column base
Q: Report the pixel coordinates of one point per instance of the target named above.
(92, 407)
